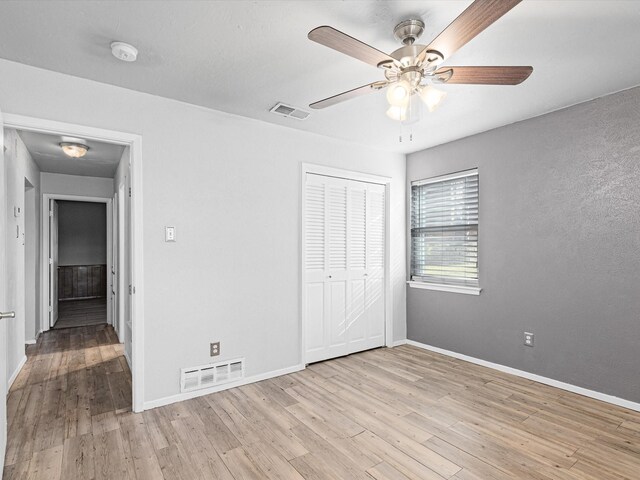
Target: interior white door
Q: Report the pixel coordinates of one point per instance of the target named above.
(120, 269)
(114, 262)
(3, 305)
(343, 293)
(53, 262)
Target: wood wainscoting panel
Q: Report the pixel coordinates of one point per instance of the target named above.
(82, 281)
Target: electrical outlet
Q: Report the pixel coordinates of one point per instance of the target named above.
(214, 349)
(528, 339)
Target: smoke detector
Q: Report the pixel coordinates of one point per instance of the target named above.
(124, 51)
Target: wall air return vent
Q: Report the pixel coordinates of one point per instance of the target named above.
(289, 111)
(206, 376)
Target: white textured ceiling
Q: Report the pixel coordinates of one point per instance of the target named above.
(101, 160)
(244, 56)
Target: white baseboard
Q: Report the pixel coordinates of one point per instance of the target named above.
(621, 402)
(397, 343)
(199, 393)
(14, 375)
(126, 357)
(34, 340)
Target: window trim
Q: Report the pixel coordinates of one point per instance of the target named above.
(415, 282)
(441, 287)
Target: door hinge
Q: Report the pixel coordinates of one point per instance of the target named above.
(130, 290)
(50, 308)
(51, 261)
(51, 213)
(129, 192)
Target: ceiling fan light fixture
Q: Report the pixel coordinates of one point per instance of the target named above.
(397, 113)
(398, 93)
(74, 150)
(431, 97)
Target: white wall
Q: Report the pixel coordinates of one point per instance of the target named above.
(32, 262)
(76, 185)
(18, 166)
(231, 187)
(82, 233)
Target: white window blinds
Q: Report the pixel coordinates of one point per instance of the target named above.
(444, 229)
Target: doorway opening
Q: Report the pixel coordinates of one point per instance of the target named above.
(91, 295)
(80, 231)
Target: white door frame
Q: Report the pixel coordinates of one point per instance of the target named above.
(134, 141)
(4, 307)
(112, 285)
(44, 230)
(122, 287)
(362, 177)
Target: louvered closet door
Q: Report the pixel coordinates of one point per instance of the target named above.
(343, 295)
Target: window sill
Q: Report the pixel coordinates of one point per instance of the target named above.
(445, 288)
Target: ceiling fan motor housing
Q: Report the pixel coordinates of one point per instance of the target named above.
(408, 31)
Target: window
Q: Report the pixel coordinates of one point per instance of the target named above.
(444, 231)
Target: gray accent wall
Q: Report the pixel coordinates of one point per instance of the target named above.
(82, 233)
(559, 247)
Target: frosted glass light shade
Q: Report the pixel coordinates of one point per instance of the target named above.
(398, 93)
(431, 97)
(397, 113)
(74, 150)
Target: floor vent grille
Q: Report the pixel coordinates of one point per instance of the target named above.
(289, 111)
(205, 376)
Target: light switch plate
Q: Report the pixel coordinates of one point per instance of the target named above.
(169, 234)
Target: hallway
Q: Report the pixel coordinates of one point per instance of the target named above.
(65, 401)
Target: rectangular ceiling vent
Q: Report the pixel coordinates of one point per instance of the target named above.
(289, 111)
(205, 376)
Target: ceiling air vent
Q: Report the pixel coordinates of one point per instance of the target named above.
(289, 111)
(205, 376)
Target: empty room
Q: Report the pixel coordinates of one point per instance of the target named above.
(355, 239)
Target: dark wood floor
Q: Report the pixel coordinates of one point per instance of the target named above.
(80, 313)
(386, 414)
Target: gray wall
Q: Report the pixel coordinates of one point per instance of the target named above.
(82, 233)
(559, 241)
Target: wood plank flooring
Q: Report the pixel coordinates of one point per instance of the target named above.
(80, 313)
(386, 414)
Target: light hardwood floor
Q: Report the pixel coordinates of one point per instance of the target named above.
(384, 414)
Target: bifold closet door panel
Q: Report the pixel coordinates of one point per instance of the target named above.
(375, 300)
(338, 293)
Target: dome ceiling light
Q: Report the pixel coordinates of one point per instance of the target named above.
(74, 150)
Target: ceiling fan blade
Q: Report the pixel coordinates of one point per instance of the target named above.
(332, 38)
(484, 75)
(349, 94)
(478, 16)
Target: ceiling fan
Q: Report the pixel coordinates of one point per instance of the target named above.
(413, 69)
